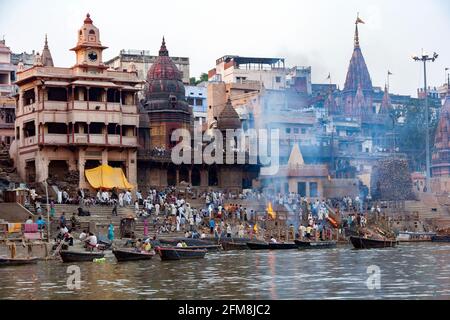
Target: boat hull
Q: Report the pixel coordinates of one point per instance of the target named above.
(440, 239)
(258, 246)
(212, 247)
(128, 255)
(17, 261)
(363, 243)
(302, 245)
(282, 246)
(229, 246)
(168, 254)
(74, 256)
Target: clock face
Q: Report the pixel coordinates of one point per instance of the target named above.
(92, 56)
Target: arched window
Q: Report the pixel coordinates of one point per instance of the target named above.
(195, 177)
(92, 32)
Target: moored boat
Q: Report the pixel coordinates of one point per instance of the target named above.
(415, 236)
(440, 238)
(210, 247)
(258, 245)
(4, 261)
(80, 256)
(188, 241)
(315, 244)
(282, 246)
(229, 245)
(368, 243)
(131, 255)
(174, 253)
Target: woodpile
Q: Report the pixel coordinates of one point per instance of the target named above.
(391, 180)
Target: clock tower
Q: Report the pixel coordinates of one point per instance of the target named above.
(89, 48)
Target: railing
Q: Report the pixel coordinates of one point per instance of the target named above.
(79, 138)
(29, 108)
(54, 105)
(113, 139)
(97, 138)
(129, 141)
(29, 141)
(129, 109)
(55, 138)
(82, 105)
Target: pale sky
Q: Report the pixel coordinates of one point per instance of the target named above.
(317, 33)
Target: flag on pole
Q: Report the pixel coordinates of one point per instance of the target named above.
(329, 76)
(390, 73)
(359, 20)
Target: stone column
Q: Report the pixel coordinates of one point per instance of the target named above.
(105, 156)
(132, 168)
(81, 163)
(41, 168)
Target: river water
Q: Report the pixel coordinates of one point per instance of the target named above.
(411, 271)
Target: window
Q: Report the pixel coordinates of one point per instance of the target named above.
(198, 102)
(288, 130)
(190, 101)
(296, 130)
(277, 79)
(91, 32)
(303, 130)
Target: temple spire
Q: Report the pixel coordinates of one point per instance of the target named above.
(46, 56)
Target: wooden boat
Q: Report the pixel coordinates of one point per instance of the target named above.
(80, 256)
(440, 238)
(367, 243)
(173, 253)
(258, 245)
(131, 255)
(229, 245)
(282, 246)
(4, 261)
(188, 241)
(415, 236)
(315, 244)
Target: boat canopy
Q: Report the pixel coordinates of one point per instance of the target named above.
(107, 177)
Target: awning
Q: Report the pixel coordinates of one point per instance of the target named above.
(107, 177)
(56, 83)
(105, 84)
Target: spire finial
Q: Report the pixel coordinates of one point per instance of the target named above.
(163, 51)
(46, 41)
(88, 19)
(358, 21)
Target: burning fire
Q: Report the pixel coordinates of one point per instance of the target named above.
(270, 211)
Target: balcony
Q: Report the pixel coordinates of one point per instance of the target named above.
(29, 141)
(114, 139)
(54, 105)
(129, 109)
(129, 141)
(97, 139)
(53, 138)
(29, 108)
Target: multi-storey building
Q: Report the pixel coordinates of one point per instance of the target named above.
(7, 89)
(271, 72)
(142, 60)
(73, 119)
(196, 97)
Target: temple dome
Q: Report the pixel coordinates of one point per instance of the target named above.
(164, 88)
(228, 118)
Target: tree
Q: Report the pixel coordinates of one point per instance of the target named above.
(411, 134)
(203, 77)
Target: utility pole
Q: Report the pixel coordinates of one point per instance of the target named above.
(425, 58)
